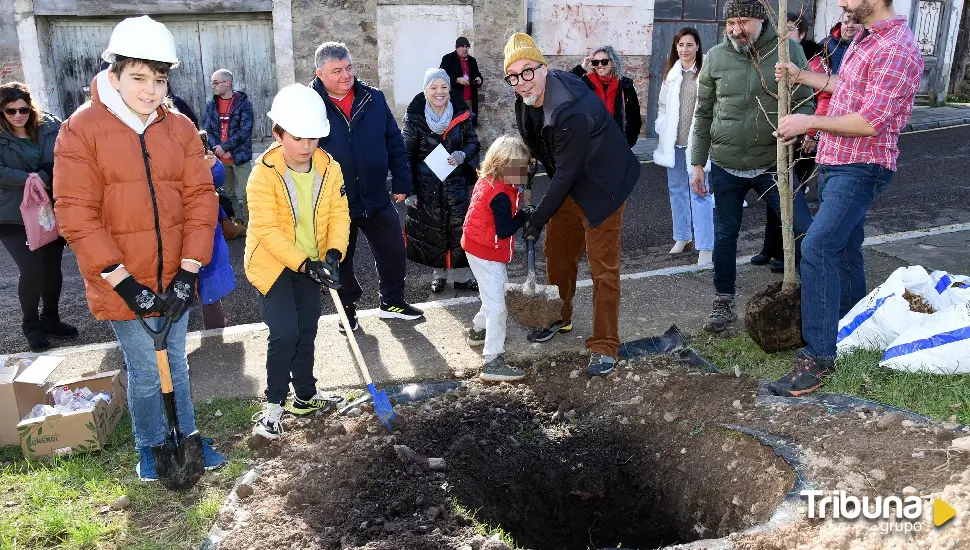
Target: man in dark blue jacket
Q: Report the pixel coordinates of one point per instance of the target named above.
(592, 171)
(366, 141)
(228, 119)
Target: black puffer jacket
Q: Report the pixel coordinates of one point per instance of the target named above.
(626, 108)
(433, 228)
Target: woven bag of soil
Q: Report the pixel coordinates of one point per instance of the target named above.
(774, 318)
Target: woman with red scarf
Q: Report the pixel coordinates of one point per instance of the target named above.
(603, 73)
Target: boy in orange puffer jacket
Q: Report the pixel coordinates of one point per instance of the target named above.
(487, 238)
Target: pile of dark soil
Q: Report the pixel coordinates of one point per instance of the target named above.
(773, 318)
(537, 309)
(641, 459)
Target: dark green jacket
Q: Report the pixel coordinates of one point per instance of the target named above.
(14, 167)
(729, 124)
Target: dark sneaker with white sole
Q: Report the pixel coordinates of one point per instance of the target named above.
(319, 402)
(467, 285)
(351, 311)
(498, 370)
(722, 314)
(546, 334)
(402, 310)
(600, 365)
(808, 375)
(474, 338)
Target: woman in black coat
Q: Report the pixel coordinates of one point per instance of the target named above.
(437, 208)
(603, 73)
(26, 148)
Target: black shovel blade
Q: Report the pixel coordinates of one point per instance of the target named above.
(179, 461)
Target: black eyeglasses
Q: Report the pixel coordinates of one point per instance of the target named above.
(598, 62)
(26, 110)
(526, 75)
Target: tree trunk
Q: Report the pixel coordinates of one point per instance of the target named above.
(784, 156)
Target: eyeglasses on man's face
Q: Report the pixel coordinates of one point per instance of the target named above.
(598, 62)
(525, 76)
(218, 82)
(17, 111)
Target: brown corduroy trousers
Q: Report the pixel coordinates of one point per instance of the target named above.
(568, 236)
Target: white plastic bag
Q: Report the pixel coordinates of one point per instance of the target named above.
(949, 289)
(940, 345)
(884, 314)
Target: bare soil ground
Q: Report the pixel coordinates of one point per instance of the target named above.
(641, 459)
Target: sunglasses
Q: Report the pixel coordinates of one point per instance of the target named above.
(17, 111)
(217, 82)
(598, 62)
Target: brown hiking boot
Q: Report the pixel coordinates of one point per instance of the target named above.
(232, 229)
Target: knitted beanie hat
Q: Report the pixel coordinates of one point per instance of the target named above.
(745, 8)
(432, 74)
(521, 46)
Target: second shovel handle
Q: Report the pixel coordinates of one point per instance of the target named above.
(350, 336)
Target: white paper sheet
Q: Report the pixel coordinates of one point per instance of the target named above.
(437, 161)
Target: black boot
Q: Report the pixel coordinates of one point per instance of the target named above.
(52, 326)
(36, 339)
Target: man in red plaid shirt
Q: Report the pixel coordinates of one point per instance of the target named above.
(872, 102)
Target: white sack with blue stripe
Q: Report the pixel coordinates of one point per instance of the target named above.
(941, 345)
(884, 314)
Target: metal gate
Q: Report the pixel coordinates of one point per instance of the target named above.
(245, 47)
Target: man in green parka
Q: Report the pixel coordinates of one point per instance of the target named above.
(735, 117)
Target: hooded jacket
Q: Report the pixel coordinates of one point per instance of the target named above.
(132, 193)
(582, 149)
(730, 122)
(433, 229)
(626, 107)
(14, 167)
(366, 146)
(240, 142)
(271, 234)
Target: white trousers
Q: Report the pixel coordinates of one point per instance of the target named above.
(493, 315)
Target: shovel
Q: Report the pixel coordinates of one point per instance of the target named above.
(178, 460)
(382, 404)
(531, 304)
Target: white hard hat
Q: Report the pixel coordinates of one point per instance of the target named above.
(142, 38)
(300, 111)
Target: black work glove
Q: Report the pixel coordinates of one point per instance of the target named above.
(140, 299)
(531, 230)
(526, 212)
(325, 272)
(179, 294)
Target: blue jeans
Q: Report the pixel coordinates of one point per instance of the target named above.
(730, 191)
(833, 273)
(148, 421)
(693, 215)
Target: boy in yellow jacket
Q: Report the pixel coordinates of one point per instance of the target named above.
(299, 227)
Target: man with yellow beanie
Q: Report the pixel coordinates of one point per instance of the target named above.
(569, 130)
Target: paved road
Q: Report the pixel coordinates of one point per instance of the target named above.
(930, 189)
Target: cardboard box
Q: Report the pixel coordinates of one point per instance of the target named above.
(60, 434)
(22, 385)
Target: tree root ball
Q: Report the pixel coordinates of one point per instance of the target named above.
(774, 318)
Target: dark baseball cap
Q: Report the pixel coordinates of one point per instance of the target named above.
(462, 41)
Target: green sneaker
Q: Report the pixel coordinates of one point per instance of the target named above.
(546, 334)
(498, 370)
(475, 338)
(319, 402)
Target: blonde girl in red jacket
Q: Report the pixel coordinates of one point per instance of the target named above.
(488, 240)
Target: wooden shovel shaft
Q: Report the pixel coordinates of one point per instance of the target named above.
(350, 336)
(164, 371)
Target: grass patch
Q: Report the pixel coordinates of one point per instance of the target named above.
(64, 503)
(935, 395)
(482, 528)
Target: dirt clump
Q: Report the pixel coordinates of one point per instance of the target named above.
(536, 308)
(647, 457)
(773, 318)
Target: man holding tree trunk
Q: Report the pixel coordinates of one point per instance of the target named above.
(733, 124)
(872, 102)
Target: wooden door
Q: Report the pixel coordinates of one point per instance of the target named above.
(76, 47)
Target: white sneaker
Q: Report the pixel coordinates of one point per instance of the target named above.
(269, 421)
(680, 246)
(705, 257)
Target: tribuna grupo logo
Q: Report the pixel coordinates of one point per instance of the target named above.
(893, 513)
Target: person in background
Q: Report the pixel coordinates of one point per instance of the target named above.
(693, 214)
(216, 279)
(771, 249)
(463, 72)
(367, 143)
(27, 137)
(228, 119)
(603, 73)
(298, 234)
(183, 107)
(116, 159)
(433, 226)
(488, 237)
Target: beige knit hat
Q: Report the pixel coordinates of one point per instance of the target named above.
(521, 46)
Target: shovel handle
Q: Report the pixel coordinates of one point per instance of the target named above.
(350, 336)
(164, 371)
(161, 353)
(158, 336)
(530, 250)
